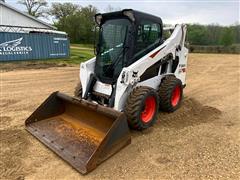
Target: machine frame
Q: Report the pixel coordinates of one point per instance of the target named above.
(171, 53)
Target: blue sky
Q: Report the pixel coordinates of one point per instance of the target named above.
(223, 12)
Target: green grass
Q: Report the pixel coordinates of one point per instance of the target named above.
(83, 45)
(77, 55)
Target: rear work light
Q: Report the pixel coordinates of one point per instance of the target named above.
(129, 14)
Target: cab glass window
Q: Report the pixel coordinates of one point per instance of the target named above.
(148, 35)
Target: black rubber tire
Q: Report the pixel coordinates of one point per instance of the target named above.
(167, 86)
(135, 105)
(78, 90)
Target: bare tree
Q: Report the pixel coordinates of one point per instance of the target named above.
(34, 8)
(110, 8)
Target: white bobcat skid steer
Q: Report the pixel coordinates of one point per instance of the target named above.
(135, 73)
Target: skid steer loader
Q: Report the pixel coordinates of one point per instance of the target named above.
(136, 73)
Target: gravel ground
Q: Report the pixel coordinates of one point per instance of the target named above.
(201, 140)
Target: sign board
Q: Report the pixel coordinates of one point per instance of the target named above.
(30, 46)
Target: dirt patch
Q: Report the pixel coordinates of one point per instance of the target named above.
(5, 121)
(198, 141)
(14, 149)
(191, 113)
(29, 65)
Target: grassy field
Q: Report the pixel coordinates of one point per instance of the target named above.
(78, 54)
(83, 45)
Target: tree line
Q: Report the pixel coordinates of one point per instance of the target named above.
(78, 23)
(213, 35)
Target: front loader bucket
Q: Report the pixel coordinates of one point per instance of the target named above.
(82, 133)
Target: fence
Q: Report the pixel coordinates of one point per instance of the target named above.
(233, 49)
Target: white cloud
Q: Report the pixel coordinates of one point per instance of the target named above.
(224, 12)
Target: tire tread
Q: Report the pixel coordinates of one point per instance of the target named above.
(133, 104)
(165, 93)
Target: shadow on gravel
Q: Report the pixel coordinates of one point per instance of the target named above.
(191, 113)
(4, 103)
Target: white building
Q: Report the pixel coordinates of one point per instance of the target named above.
(11, 17)
(23, 37)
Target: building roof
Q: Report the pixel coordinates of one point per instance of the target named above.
(27, 15)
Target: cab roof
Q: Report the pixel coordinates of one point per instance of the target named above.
(138, 15)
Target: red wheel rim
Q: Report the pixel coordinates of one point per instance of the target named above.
(149, 109)
(176, 96)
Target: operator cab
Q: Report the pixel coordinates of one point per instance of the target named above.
(123, 38)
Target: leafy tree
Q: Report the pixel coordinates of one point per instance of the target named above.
(213, 34)
(87, 17)
(236, 33)
(197, 34)
(35, 8)
(60, 11)
(77, 21)
(227, 37)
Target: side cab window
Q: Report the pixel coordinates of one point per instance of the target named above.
(148, 35)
